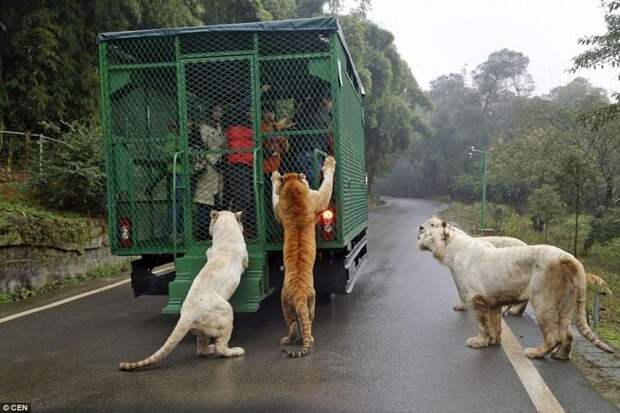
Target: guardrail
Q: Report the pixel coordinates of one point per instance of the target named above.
(9, 150)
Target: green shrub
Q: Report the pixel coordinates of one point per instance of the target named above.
(604, 228)
(71, 174)
(545, 206)
(606, 255)
(465, 188)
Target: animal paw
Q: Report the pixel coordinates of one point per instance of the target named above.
(516, 310)
(329, 165)
(477, 342)
(233, 352)
(533, 353)
(459, 307)
(207, 350)
(496, 341)
(286, 340)
(558, 355)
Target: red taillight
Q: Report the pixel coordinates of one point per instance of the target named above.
(327, 215)
(125, 232)
(327, 220)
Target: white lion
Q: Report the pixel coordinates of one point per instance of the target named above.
(503, 242)
(498, 242)
(206, 310)
(489, 277)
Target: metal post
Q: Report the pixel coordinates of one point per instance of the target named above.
(40, 154)
(596, 309)
(483, 183)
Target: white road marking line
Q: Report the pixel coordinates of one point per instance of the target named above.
(63, 301)
(535, 386)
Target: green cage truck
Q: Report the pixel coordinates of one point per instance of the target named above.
(196, 119)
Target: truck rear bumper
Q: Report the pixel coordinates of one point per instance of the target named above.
(151, 274)
(335, 270)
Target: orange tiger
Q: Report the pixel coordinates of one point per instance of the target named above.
(295, 206)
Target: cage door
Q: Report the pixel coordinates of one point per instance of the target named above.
(221, 127)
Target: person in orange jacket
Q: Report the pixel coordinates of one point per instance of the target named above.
(239, 174)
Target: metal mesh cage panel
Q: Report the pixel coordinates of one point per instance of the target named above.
(230, 107)
(296, 122)
(301, 153)
(221, 139)
(352, 159)
(216, 42)
(142, 50)
(145, 135)
(283, 43)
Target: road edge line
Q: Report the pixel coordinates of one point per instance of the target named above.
(63, 301)
(541, 396)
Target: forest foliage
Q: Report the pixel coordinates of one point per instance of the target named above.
(548, 156)
(48, 63)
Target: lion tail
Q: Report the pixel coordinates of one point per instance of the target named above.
(598, 282)
(180, 330)
(575, 271)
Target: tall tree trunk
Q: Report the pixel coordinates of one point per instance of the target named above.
(26, 149)
(3, 32)
(609, 193)
(577, 196)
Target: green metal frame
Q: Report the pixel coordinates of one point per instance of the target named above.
(346, 129)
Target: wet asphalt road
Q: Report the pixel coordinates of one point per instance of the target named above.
(394, 345)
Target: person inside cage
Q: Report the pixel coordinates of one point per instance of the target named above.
(273, 146)
(209, 171)
(312, 112)
(239, 174)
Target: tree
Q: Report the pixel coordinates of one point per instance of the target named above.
(48, 56)
(577, 92)
(519, 166)
(603, 50)
(544, 205)
(565, 160)
(49, 62)
(600, 145)
(38, 72)
(478, 114)
(504, 71)
(573, 176)
(72, 174)
(392, 118)
(502, 82)
(605, 143)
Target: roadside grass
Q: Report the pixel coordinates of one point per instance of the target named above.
(601, 260)
(104, 271)
(24, 222)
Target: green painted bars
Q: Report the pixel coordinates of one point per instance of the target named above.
(195, 119)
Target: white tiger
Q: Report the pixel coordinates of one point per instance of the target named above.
(206, 311)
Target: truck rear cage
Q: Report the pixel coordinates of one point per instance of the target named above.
(196, 119)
